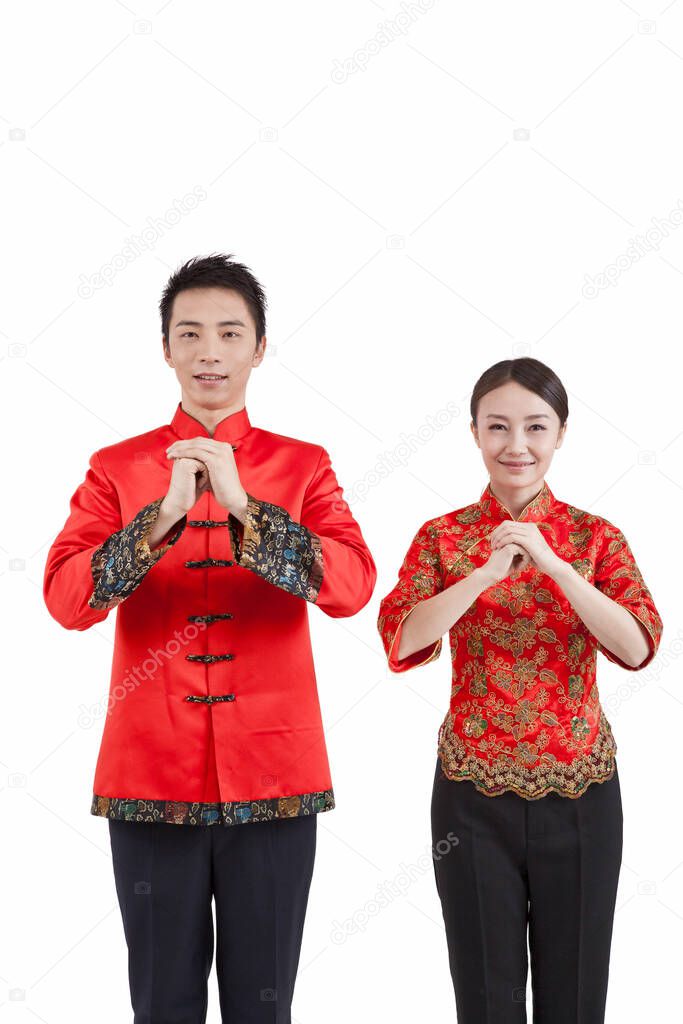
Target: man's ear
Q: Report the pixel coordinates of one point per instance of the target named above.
(166, 350)
(260, 351)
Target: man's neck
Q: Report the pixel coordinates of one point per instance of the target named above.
(210, 418)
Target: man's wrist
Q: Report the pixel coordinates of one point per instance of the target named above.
(166, 521)
(168, 513)
(239, 510)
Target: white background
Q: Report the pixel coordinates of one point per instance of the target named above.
(417, 209)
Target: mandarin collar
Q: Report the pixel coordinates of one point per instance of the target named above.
(533, 512)
(231, 428)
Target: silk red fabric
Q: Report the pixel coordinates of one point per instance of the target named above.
(268, 742)
(525, 713)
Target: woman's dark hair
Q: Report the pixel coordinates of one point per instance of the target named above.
(215, 271)
(531, 374)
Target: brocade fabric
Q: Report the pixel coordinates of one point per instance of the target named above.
(524, 713)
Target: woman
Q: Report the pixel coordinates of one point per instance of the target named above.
(526, 805)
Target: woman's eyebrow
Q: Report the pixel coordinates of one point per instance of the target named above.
(533, 416)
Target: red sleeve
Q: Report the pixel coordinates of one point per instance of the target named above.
(419, 578)
(323, 558)
(95, 562)
(618, 576)
(349, 572)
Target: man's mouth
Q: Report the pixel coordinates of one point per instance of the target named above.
(210, 376)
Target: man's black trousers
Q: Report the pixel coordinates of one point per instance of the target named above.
(503, 863)
(259, 875)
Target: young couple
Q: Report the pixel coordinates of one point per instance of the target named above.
(210, 536)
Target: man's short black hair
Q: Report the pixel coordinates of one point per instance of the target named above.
(215, 271)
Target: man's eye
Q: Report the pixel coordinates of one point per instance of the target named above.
(186, 334)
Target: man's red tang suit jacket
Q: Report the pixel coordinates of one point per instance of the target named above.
(213, 713)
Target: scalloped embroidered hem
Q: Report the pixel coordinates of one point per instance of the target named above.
(179, 812)
(552, 776)
(511, 788)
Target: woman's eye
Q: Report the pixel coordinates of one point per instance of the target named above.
(494, 426)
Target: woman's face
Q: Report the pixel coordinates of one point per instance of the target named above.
(518, 433)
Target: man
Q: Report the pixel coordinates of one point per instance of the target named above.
(211, 537)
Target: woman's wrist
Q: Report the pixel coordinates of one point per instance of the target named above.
(560, 570)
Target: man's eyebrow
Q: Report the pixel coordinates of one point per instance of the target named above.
(221, 323)
(533, 416)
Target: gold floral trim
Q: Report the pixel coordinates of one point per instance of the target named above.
(549, 775)
(654, 631)
(402, 663)
(538, 507)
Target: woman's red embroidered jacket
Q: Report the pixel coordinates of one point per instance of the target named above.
(213, 712)
(525, 713)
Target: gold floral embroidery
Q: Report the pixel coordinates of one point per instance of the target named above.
(424, 579)
(529, 772)
(524, 713)
(622, 580)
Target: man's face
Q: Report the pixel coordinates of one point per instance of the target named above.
(212, 334)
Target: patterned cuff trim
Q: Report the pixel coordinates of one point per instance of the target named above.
(282, 551)
(120, 564)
